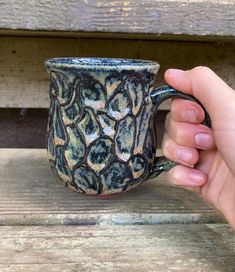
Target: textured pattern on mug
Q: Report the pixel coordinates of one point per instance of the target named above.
(100, 135)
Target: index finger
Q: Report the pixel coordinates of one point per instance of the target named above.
(187, 111)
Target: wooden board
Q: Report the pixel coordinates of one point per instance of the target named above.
(31, 195)
(184, 248)
(21, 128)
(24, 81)
(214, 18)
(26, 128)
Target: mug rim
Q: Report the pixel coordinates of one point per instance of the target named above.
(99, 62)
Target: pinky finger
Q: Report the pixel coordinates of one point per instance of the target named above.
(187, 177)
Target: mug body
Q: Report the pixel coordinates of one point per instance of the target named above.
(100, 128)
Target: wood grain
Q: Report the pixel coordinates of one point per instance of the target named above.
(185, 248)
(214, 18)
(31, 195)
(24, 81)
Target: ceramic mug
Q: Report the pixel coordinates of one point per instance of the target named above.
(101, 134)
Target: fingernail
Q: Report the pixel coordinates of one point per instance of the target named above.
(190, 115)
(184, 155)
(203, 140)
(175, 71)
(196, 176)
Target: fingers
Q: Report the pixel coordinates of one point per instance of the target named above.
(187, 177)
(187, 111)
(181, 154)
(188, 135)
(184, 136)
(203, 84)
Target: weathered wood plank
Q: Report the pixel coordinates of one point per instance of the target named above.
(21, 128)
(26, 128)
(24, 81)
(190, 248)
(31, 195)
(215, 18)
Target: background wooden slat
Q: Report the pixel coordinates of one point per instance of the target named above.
(31, 194)
(26, 128)
(185, 248)
(215, 18)
(24, 81)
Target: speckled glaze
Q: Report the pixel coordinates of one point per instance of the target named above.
(101, 138)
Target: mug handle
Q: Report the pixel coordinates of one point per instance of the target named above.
(158, 95)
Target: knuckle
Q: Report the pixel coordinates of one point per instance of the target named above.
(174, 177)
(166, 145)
(175, 108)
(202, 70)
(167, 121)
(179, 136)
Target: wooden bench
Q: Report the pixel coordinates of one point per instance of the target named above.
(155, 227)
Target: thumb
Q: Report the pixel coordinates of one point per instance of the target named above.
(201, 82)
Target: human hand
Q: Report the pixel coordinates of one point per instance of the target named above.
(210, 150)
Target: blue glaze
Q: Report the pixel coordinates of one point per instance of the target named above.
(100, 63)
(86, 181)
(100, 128)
